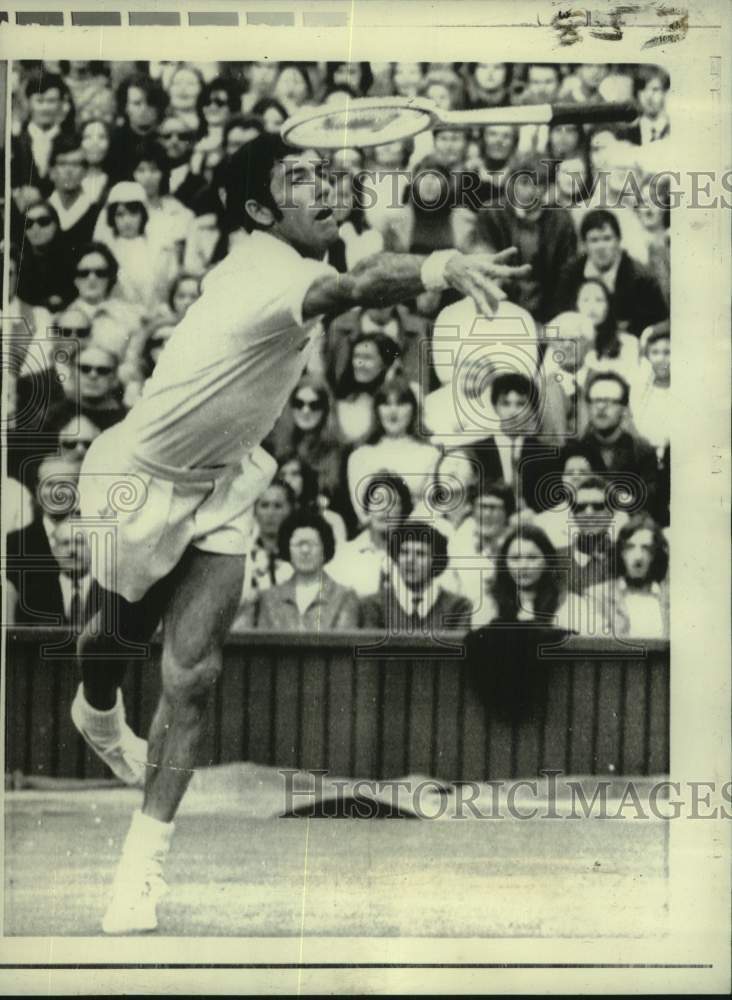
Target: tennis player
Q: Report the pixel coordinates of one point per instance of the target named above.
(188, 464)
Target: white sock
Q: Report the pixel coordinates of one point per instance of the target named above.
(147, 837)
(105, 725)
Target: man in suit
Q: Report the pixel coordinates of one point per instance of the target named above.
(649, 89)
(629, 459)
(636, 295)
(412, 601)
(586, 559)
(31, 150)
(512, 455)
(48, 560)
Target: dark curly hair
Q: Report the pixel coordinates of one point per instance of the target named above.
(306, 519)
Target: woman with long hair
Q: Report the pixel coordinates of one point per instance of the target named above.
(527, 585)
(303, 479)
(306, 428)
(95, 142)
(393, 447)
(169, 220)
(612, 350)
(372, 355)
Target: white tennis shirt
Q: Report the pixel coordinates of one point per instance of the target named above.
(229, 368)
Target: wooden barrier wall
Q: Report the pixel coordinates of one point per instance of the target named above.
(319, 702)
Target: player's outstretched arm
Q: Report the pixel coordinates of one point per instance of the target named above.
(387, 278)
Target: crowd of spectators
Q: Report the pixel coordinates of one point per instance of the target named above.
(436, 470)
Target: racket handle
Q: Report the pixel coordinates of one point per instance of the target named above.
(590, 114)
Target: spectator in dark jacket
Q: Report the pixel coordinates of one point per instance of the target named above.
(637, 298)
(545, 236)
(76, 211)
(412, 601)
(31, 150)
(630, 459)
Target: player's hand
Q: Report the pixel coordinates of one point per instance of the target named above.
(478, 274)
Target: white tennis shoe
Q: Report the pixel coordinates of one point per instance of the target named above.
(125, 754)
(136, 891)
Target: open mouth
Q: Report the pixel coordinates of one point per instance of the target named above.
(324, 213)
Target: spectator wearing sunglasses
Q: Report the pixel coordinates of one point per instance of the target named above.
(99, 387)
(44, 277)
(176, 138)
(306, 430)
(77, 212)
(95, 280)
(588, 552)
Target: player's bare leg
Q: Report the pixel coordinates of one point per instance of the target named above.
(118, 631)
(197, 622)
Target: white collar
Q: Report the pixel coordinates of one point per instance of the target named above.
(409, 603)
(71, 215)
(608, 278)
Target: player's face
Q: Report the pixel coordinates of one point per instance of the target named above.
(301, 190)
(526, 562)
(306, 550)
(659, 355)
(415, 562)
(637, 554)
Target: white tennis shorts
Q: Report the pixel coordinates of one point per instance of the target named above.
(140, 517)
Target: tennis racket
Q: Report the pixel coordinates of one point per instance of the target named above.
(373, 121)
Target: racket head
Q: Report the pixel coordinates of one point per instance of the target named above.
(361, 121)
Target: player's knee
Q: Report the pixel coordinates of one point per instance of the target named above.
(184, 681)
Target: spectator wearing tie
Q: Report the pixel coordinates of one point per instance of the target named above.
(637, 297)
(513, 455)
(650, 89)
(48, 560)
(412, 600)
(629, 460)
